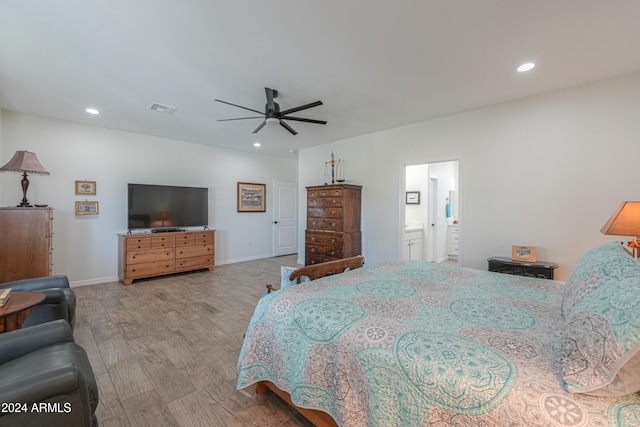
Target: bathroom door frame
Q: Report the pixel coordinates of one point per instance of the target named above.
(402, 202)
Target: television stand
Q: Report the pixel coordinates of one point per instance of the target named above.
(151, 255)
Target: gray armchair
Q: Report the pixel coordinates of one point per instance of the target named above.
(59, 302)
(42, 366)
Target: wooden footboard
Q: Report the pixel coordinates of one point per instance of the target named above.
(318, 418)
(316, 271)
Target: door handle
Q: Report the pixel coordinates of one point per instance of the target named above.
(275, 222)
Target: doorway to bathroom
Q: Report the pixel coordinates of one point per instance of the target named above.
(431, 212)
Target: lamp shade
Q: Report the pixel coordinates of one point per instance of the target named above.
(24, 161)
(625, 221)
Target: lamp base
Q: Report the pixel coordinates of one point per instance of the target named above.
(25, 185)
(634, 245)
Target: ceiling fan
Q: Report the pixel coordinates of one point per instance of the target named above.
(272, 114)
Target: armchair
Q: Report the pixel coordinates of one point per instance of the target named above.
(59, 302)
(46, 377)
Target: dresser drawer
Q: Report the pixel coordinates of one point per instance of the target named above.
(134, 243)
(324, 212)
(186, 239)
(330, 239)
(158, 242)
(324, 202)
(194, 251)
(152, 255)
(332, 224)
(322, 192)
(150, 269)
(203, 238)
(194, 263)
(327, 251)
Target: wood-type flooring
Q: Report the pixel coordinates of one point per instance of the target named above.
(165, 350)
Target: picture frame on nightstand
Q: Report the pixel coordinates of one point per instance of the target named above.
(523, 253)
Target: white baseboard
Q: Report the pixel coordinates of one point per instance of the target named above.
(235, 260)
(89, 282)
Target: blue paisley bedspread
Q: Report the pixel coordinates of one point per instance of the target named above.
(407, 343)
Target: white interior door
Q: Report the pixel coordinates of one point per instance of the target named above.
(285, 218)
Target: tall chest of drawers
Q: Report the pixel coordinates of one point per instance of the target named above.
(333, 223)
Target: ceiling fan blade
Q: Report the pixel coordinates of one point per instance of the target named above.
(239, 106)
(241, 118)
(287, 127)
(260, 127)
(300, 108)
(300, 119)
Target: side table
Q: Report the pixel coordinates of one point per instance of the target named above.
(539, 269)
(17, 309)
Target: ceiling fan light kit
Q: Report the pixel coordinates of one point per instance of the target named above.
(272, 114)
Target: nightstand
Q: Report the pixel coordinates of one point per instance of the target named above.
(539, 269)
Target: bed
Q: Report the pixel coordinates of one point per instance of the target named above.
(408, 343)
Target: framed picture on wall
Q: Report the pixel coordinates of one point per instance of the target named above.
(251, 197)
(86, 188)
(86, 208)
(413, 197)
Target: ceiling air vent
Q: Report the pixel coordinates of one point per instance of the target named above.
(161, 108)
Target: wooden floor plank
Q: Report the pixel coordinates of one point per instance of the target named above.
(165, 350)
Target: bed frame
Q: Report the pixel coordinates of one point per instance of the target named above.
(313, 272)
(317, 271)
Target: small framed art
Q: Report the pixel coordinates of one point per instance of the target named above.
(86, 208)
(413, 197)
(251, 197)
(523, 253)
(86, 188)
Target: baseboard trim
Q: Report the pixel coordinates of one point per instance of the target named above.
(90, 282)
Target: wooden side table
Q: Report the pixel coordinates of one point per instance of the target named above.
(539, 269)
(17, 309)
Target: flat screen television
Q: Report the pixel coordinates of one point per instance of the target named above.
(166, 208)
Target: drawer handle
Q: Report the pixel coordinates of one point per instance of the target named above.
(334, 202)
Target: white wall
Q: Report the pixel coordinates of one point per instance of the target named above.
(417, 179)
(85, 247)
(545, 171)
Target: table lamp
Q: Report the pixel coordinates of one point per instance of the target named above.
(25, 162)
(625, 221)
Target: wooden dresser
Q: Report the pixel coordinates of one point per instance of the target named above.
(333, 223)
(25, 243)
(158, 254)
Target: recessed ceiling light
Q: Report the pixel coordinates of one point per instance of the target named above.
(526, 67)
(256, 144)
(92, 111)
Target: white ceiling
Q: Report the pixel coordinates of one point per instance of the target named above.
(376, 64)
